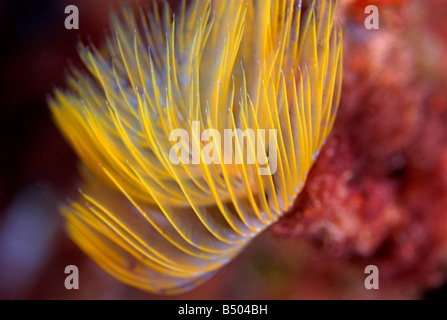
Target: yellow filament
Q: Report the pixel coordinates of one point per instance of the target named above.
(224, 65)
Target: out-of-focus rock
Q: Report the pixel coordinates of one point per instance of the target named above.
(377, 194)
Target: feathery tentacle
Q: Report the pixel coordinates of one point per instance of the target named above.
(271, 66)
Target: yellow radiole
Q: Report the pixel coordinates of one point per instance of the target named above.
(165, 226)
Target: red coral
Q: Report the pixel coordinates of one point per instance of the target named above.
(377, 194)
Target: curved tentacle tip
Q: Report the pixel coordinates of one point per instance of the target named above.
(216, 81)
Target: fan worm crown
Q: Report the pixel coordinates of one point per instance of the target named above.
(214, 65)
